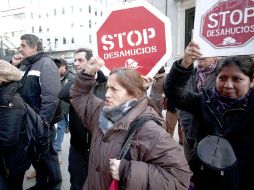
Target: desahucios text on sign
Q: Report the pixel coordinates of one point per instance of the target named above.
(229, 23)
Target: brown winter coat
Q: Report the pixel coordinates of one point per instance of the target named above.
(157, 91)
(157, 162)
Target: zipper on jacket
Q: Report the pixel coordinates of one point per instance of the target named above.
(10, 105)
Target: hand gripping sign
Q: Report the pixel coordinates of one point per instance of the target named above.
(225, 27)
(136, 36)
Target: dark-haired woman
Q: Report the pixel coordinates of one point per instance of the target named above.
(227, 111)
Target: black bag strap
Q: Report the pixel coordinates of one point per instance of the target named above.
(133, 129)
(217, 129)
(23, 80)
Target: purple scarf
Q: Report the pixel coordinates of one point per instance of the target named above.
(203, 73)
(225, 103)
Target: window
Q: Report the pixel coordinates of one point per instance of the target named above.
(63, 11)
(72, 40)
(56, 42)
(64, 40)
(72, 9)
(90, 24)
(40, 29)
(89, 9)
(95, 12)
(47, 29)
(39, 15)
(55, 12)
(72, 25)
(90, 38)
(32, 29)
(49, 43)
(47, 15)
(80, 9)
(189, 23)
(32, 15)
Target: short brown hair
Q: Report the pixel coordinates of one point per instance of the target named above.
(89, 52)
(131, 80)
(32, 41)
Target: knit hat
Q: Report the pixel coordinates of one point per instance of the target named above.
(9, 72)
(60, 62)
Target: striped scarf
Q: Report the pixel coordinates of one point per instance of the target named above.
(203, 73)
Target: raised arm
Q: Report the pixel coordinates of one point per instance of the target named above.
(85, 103)
(177, 79)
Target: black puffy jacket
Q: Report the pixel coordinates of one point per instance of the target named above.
(18, 128)
(236, 126)
(13, 138)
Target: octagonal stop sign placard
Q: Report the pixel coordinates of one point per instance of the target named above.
(136, 36)
(229, 23)
(226, 26)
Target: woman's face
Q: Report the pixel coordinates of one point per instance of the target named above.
(116, 94)
(232, 82)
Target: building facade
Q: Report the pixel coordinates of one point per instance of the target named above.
(65, 25)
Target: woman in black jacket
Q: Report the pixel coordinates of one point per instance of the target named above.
(15, 121)
(226, 111)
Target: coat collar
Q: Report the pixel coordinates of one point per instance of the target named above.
(140, 109)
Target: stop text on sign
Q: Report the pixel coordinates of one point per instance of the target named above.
(231, 22)
(138, 39)
(235, 17)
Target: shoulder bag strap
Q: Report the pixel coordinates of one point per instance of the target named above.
(133, 129)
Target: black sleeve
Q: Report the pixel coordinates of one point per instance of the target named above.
(101, 78)
(175, 88)
(65, 92)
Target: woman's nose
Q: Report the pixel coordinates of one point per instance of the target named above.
(229, 84)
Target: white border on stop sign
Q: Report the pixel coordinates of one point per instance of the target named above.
(157, 13)
(207, 49)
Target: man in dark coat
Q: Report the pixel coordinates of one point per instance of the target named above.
(80, 136)
(40, 88)
(66, 76)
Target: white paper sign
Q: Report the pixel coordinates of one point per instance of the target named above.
(224, 27)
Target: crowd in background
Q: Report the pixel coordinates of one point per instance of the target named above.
(118, 132)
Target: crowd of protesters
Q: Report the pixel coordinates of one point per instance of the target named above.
(118, 135)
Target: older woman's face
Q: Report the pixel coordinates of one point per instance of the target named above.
(116, 94)
(232, 82)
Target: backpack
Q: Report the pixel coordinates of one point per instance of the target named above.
(38, 132)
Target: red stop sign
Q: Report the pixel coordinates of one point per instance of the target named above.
(135, 36)
(229, 23)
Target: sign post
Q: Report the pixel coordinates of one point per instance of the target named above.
(225, 27)
(136, 36)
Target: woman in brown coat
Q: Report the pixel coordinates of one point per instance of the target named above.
(155, 160)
